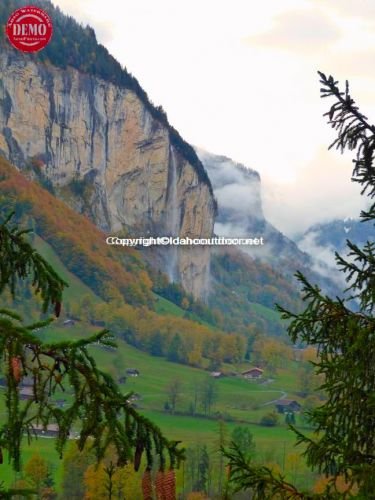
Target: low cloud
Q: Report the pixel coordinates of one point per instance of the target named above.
(324, 254)
(320, 193)
(242, 199)
(363, 9)
(298, 30)
(323, 259)
(237, 190)
(354, 63)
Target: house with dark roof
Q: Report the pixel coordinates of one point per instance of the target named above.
(287, 405)
(253, 373)
(52, 430)
(69, 322)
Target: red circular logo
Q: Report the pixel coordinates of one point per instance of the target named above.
(29, 29)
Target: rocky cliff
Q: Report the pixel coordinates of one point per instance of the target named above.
(79, 130)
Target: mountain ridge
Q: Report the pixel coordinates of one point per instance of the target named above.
(240, 214)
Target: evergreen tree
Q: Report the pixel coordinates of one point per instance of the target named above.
(244, 439)
(203, 469)
(175, 349)
(208, 394)
(98, 409)
(290, 418)
(344, 443)
(156, 344)
(174, 392)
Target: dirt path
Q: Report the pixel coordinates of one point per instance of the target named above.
(283, 396)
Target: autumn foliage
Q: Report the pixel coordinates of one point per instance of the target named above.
(178, 339)
(81, 246)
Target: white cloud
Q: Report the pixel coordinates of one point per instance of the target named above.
(323, 259)
(321, 192)
(298, 30)
(364, 9)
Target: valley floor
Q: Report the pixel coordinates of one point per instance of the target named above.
(239, 402)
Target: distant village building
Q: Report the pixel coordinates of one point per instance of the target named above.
(26, 388)
(26, 393)
(287, 405)
(69, 322)
(253, 373)
(298, 353)
(133, 398)
(132, 372)
(216, 374)
(27, 381)
(52, 430)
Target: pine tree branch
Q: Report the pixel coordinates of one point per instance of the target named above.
(97, 410)
(101, 413)
(261, 482)
(18, 260)
(354, 131)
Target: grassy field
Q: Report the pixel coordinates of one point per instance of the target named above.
(76, 289)
(241, 402)
(44, 447)
(265, 312)
(164, 306)
(238, 399)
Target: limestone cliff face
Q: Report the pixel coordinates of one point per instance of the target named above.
(78, 127)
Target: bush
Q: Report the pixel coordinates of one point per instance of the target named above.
(270, 419)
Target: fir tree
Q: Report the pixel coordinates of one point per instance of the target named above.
(174, 350)
(344, 443)
(244, 439)
(98, 410)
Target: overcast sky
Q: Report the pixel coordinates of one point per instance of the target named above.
(238, 77)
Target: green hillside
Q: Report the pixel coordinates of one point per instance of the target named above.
(246, 291)
(115, 288)
(76, 289)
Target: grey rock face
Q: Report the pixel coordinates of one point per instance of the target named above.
(78, 127)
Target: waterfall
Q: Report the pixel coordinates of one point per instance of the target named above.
(173, 217)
